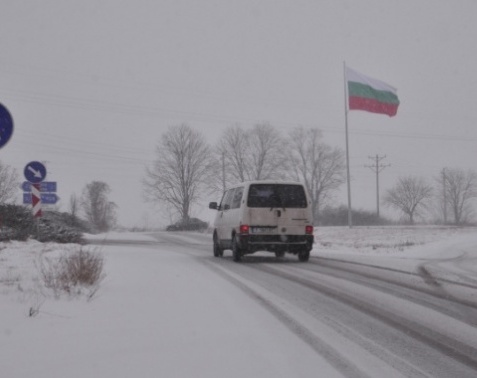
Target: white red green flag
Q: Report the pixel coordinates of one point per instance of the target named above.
(371, 95)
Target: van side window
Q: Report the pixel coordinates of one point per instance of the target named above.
(227, 199)
(237, 198)
(276, 195)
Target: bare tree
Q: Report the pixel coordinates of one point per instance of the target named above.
(266, 152)
(99, 211)
(181, 170)
(73, 205)
(9, 183)
(233, 148)
(409, 195)
(440, 210)
(318, 165)
(255, 154)
(460, 188)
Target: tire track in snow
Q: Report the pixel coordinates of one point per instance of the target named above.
(440, 299)
(389, 269)
(452, 348)
(331, 355)
(334, 357)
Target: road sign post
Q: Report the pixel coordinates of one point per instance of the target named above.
(36, 200)
(35, 173)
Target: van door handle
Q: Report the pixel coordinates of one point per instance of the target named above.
(279, 213)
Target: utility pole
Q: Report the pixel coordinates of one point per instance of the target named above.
(376, 168)
(444, 189)
(223, 171)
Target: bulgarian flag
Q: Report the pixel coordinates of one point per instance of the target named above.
(371, 95)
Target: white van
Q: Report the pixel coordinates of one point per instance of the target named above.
(270, 216)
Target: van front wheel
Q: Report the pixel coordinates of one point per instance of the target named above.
(218, 252)
(236, 252)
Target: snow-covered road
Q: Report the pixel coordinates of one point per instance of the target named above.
(167, 307)
(365, 317)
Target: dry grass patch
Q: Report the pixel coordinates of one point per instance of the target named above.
(72, 272)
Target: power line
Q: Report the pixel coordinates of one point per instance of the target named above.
(152, 111)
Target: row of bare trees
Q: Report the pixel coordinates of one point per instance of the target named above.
(186, 166)
(453, 195)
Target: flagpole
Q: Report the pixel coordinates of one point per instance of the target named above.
(350, 221)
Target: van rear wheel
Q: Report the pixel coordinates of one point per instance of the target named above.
(304, 255)
(236, 251)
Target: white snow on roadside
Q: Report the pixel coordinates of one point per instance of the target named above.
(446, 252)
(386, 240)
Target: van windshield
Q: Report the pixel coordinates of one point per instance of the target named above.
(276, 195)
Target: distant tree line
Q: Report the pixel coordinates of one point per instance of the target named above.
(186, 167)
(451, 200)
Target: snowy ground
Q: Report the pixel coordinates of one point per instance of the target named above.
(156, 312)
(450, 252)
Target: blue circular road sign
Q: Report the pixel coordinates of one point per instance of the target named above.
(35, 172)
(6, 126)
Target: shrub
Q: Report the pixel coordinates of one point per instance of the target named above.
(67, 220)
(16, 222)
(52, 229)
(73, 271)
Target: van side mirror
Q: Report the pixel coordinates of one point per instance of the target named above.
(213, 205)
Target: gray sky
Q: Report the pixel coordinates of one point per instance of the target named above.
(93, 84)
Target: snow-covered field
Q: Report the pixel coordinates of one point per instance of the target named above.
(403, 240)
(451, 251)
(150, 317)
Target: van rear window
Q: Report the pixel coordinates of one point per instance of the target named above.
(276, 195)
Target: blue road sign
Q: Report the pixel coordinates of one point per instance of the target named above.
(35, 172)
(46, 198)
(45, 186)
(6, 126)
(49, 198)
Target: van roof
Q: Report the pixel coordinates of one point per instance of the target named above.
(247, 183)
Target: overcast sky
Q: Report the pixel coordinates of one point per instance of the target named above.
(93, 84)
